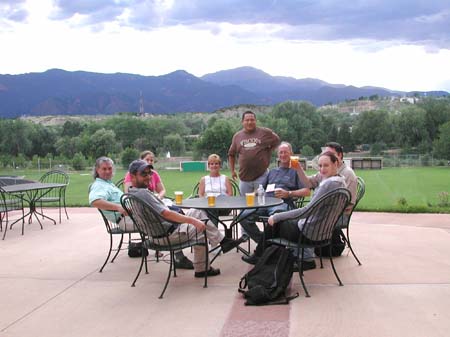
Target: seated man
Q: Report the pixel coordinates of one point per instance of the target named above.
(104, 195)
(187, 226)
(287, 186)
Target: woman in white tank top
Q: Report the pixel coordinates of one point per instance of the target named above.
(214, 182)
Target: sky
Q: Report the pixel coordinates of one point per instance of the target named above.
(395, 44)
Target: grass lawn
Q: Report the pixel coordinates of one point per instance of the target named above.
(417, 187)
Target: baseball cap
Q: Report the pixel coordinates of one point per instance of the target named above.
(138, 166)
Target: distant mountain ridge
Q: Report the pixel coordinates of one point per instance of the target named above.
(60, 92)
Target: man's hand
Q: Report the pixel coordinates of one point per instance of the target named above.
(270, 221)
(200, 225)
(280, 193)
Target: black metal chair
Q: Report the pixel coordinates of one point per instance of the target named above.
(9, 203)
(119, 183)
(344, 221)
(113, 229)
(155, 236)
(55, 195)
(320, 219)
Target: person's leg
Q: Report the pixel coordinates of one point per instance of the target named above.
(248, 223)
(289, 230)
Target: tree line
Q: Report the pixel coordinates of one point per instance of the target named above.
(422, 128)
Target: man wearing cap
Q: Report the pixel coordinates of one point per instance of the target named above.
(104, 195)
(181, 227)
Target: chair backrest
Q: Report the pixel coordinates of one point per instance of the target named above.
(360, 190)
(55, 176)
(321, 217)
(58, 177)
(119, 183)
(145, 218)
(194, 193)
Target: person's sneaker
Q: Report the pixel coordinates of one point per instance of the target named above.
(307, 265)
(211, 272)
(250, 259)
(228, 244)
(183, 263)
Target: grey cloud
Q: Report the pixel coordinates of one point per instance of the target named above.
(411, 21)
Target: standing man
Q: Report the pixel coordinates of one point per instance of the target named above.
(253, 145)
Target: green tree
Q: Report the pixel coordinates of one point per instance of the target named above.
(216, 139)
(78, 161)
(441, 144)
(127, 156)
(373, 126)
(307, 151)
(102, 143)
(411, 126)
(175, 144)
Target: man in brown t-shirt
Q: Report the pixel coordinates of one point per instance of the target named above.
(253, 145)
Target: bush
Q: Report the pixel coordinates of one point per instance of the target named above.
(78, 161)
(128, 155)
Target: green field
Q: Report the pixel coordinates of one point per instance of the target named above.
(417, 187)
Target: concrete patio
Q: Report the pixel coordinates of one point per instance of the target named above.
(50, 286)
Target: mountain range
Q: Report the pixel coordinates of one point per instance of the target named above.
(60, 92)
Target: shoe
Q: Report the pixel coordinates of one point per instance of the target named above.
(228, 244)
(184, 263)
(307, 265)
(211, 272)
(250, 259)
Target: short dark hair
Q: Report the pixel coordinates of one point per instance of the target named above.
(248, 112)
(338, 147)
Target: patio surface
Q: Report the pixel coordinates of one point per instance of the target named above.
(50, 286)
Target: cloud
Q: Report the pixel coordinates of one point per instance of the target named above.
(406, 21)
(13, 10)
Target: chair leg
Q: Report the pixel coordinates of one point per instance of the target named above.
(300, 272)
(206, 263)
(140, 269)
(347, 238)
(172, 264)
(118, 249)
(109, 252)
(335, 272)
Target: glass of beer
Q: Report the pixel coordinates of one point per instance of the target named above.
(178, 197)
(295, 162)
(250, 198)
(211, 199)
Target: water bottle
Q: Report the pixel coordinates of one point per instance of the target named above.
(261, 195)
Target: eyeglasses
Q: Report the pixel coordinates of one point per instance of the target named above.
(145, 174)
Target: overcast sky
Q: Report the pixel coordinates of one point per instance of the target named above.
(396, 44)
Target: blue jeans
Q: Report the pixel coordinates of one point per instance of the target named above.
(249, 225)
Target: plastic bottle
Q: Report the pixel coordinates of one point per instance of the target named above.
(261, 195)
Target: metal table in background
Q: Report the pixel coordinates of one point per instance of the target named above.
(30, 192)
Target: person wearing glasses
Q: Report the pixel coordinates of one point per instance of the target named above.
(155, 184)
(179, 227)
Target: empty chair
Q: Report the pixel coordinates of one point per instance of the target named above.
(319, 221)
(344, 222)
(57, 194)
(156, 237)
(9, 203)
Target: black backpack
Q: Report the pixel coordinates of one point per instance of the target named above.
(267, 281)
(338, 240)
